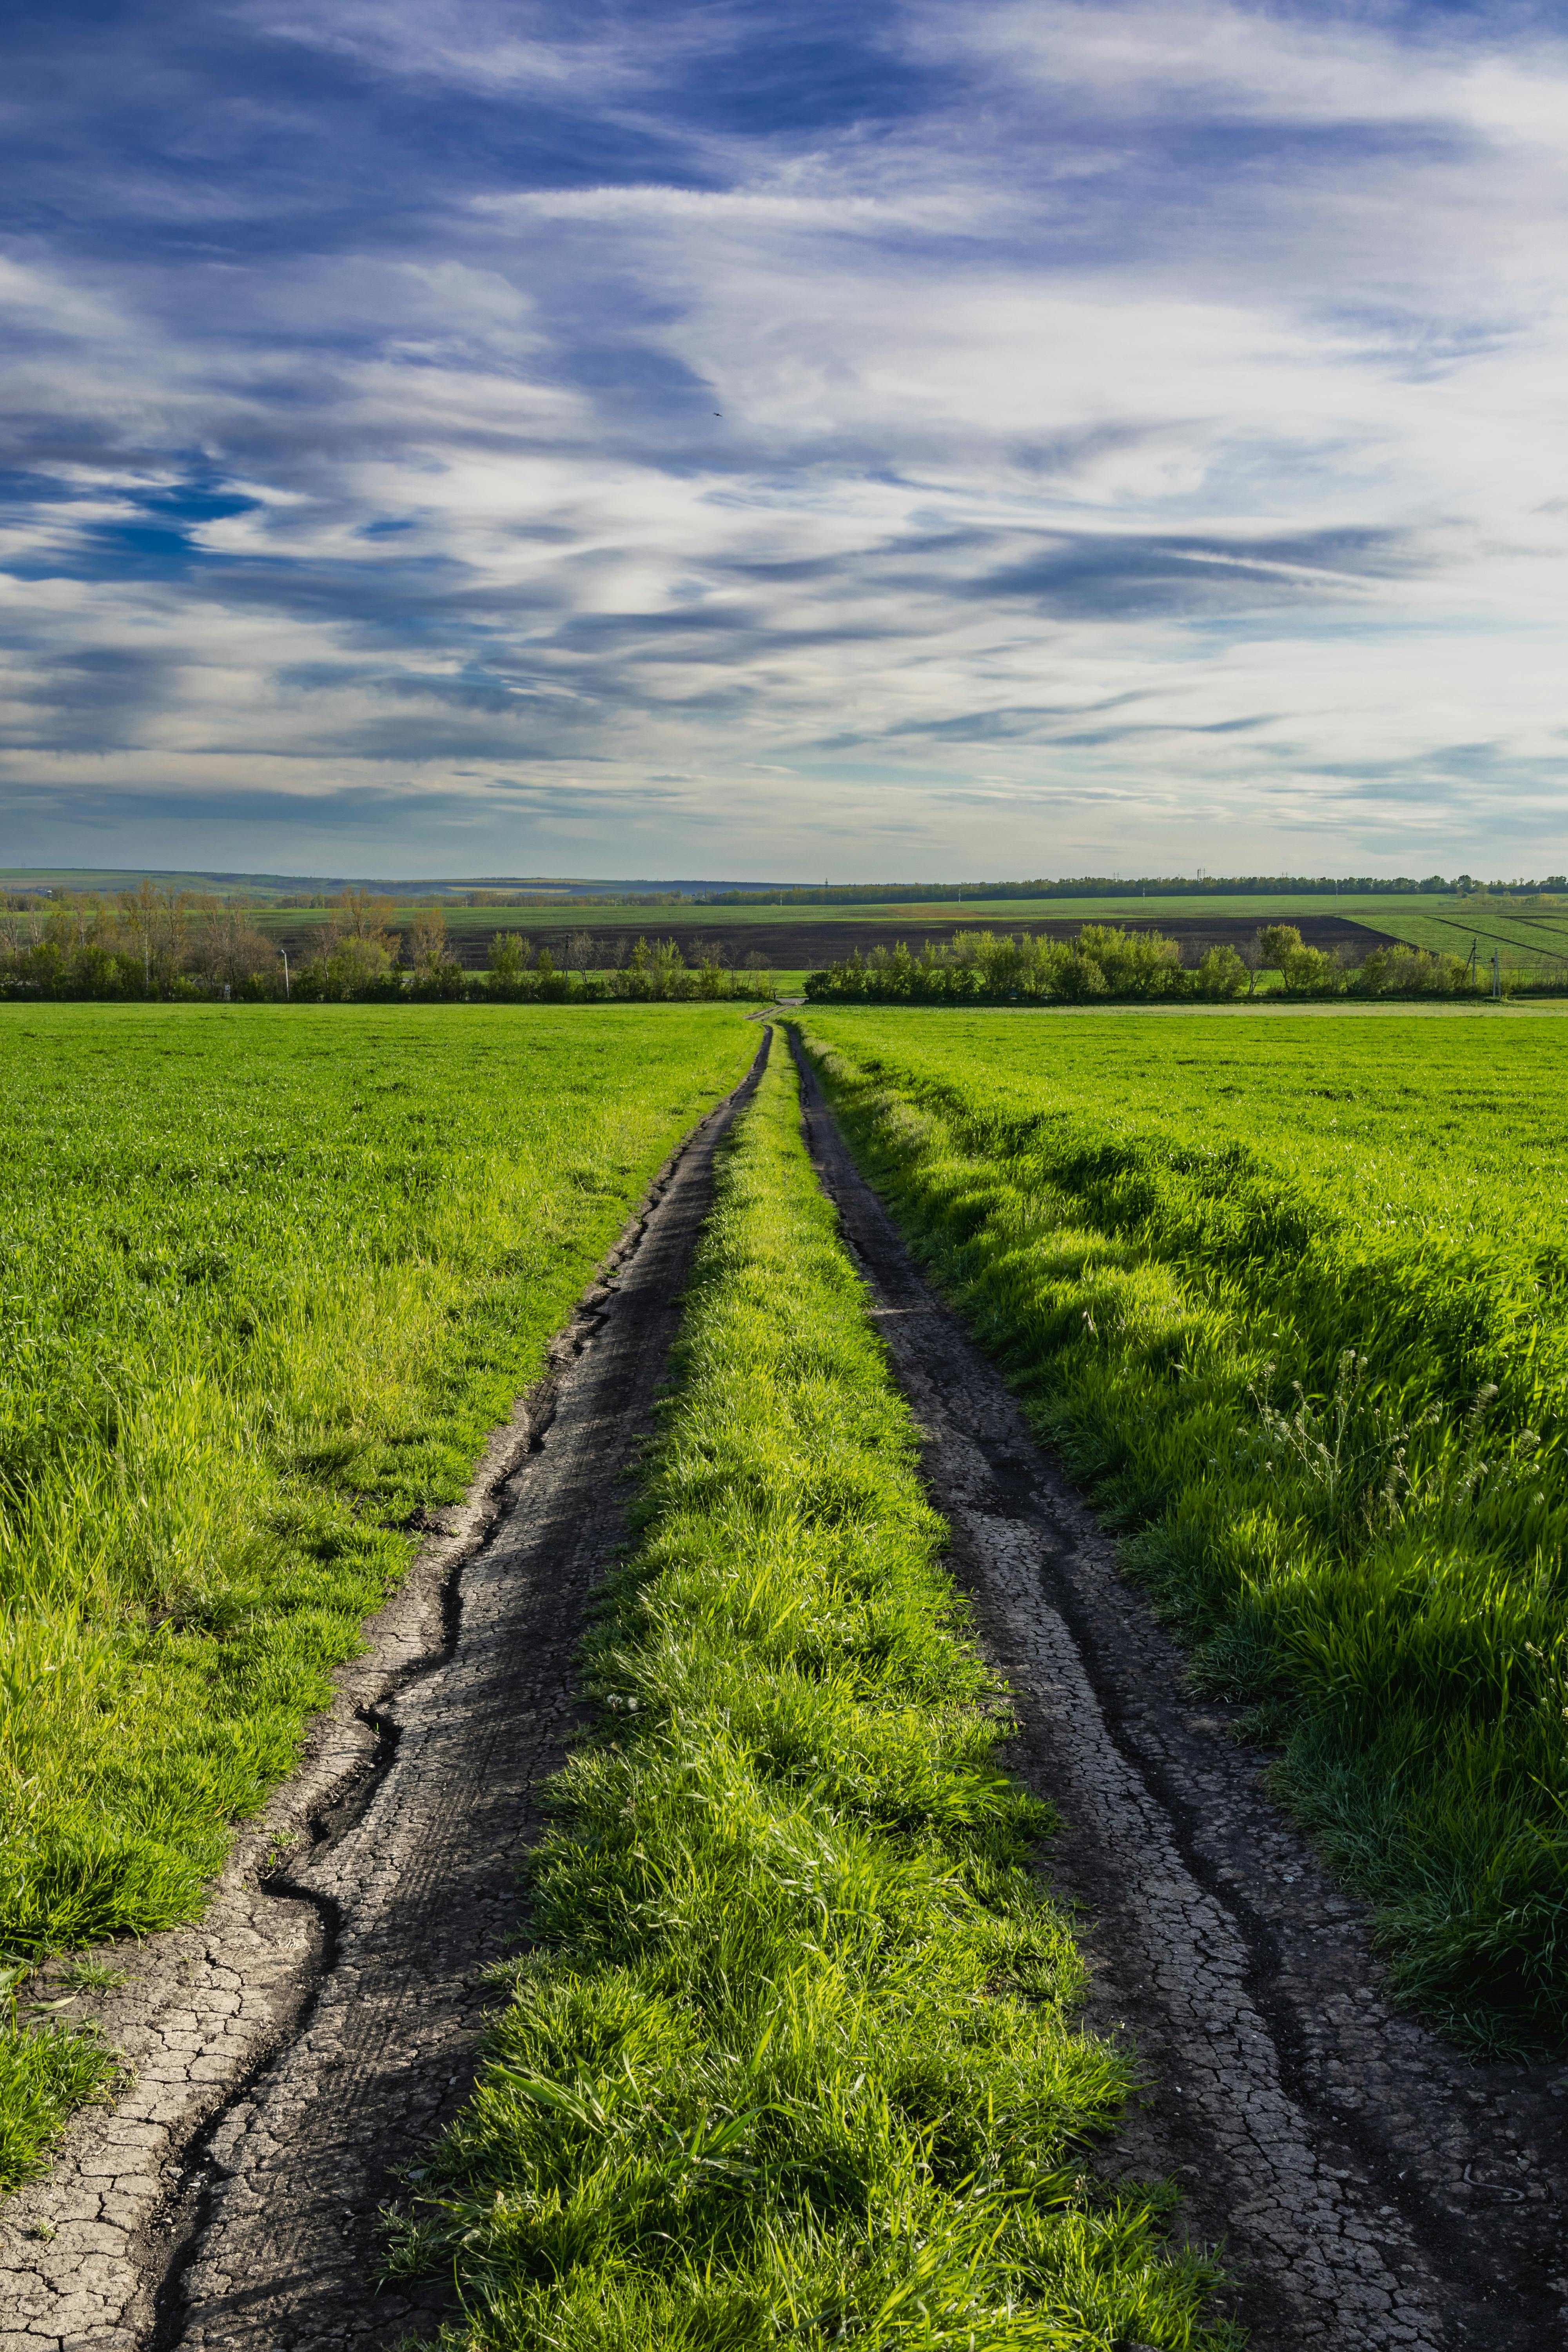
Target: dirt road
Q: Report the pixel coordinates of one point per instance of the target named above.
(1371, 2188)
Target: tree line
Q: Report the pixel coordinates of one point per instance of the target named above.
(1104, 963)
(170, 947)
(1110, 885)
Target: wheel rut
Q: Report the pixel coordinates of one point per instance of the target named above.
(1368, 2186)
(421, 1889)
(1371, 2188)
(258, 2231)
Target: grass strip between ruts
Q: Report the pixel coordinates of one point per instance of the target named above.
(790, 2056)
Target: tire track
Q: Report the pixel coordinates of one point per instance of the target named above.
(237, 2205)
(1373, 2189)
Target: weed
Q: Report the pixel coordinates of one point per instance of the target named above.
(1349, 1458)
(92, 1976)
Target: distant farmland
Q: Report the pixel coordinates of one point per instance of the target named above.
(800, 942)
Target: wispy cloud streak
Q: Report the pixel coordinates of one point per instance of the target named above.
(1020, 430)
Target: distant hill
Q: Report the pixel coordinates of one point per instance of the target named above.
(58, 878)
(273, 888)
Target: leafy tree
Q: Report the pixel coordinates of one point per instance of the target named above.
(228, 951)
(1309, 972)
(1221, 975)
(1276, 943)
(508, 957)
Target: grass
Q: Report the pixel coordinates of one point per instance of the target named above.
(1381, 909)
(1525, 942)
(269, 1277)
(790, 2058)
(1291, 1299)
(47, 2073)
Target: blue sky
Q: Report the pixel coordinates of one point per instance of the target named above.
(906, 440)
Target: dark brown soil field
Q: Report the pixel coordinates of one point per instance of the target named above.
(807, 946)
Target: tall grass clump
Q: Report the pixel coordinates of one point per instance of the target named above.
(268, 1281)
(1291, 1304)
(47, 2070)
(790, 2057)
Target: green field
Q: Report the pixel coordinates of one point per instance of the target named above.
(1528, 941)
(791, 2057)
(270, 1275)
(1287, 1288)
(1376, 909)
(1292, 1296)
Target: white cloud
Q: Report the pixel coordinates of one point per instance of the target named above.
(1082, 450)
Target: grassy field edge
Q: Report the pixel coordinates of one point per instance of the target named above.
(249, 1352)
(1328, 1470)
(790, 2053)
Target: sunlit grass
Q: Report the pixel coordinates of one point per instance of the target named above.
(791, 2055)
(269, 1277)
(1290, 1302)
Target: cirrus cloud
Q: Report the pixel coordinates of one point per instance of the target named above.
(512, 436)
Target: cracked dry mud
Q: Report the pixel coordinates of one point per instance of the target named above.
(302, 2045)
(1371, 2187)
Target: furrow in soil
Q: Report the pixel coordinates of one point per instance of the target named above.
(1369, 2187)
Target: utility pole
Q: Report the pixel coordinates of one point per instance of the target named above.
(1497, 974)
(284, 953)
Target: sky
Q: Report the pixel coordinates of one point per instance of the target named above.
(904, 440)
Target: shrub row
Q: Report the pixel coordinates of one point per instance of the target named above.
(171, 947)
(335, 977)
(1103, 963)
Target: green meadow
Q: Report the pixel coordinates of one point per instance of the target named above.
(1287, 1287)
(269, 1277)
(1291, 1297)
(1524, 939)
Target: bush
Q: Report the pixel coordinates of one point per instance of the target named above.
(986, 967)
(1221, 975)
(1410, 972)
